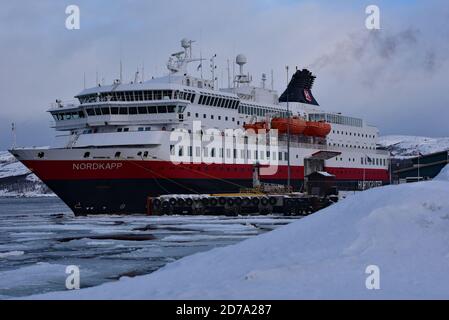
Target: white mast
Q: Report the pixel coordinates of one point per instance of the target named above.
(14, 137)
(229, 75)
(121, 71)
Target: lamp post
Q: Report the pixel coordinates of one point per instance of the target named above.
(390, 168)
(419, 174)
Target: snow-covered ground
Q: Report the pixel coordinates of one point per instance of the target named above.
(403, 230)
(409, 146)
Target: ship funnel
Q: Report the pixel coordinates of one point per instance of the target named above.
(300, 88)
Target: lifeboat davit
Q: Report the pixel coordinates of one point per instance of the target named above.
(317, 129)
(256, 126)
(297, 125)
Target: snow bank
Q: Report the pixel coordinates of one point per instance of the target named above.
(443, 175)
(404, 230)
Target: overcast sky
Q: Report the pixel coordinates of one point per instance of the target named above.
(396, 78)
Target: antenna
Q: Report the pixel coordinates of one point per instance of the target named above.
(229, 75)
(14, 138)
(143, 71)
(233, 74)
(264, 79)
(272, 80)
(201, 63)
(121, 71)
(201, 52)
(213, 67)
(136, 76)
(241, 61)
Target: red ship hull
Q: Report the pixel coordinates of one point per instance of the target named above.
(123, 187)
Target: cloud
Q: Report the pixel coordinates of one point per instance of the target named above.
(394, 78)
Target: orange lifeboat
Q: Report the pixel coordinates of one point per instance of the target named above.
(256, 126)
(297, 125)
(317, 129)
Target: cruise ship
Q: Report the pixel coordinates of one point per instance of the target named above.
(115, 147)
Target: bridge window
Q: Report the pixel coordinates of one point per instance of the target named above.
(138, 95)
(157, 95)
(133, 110)
(152, 109)
(123, 110)
(161, 109)
(142, 110)
(105, 110)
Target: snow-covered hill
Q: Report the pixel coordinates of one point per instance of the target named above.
(17, 181)
(409, 146)
(398, 232)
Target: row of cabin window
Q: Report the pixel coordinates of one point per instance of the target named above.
(355, 134)
(143, 95)
(218, 102)
(125, 129)
(336, 118)
(350, 146)
(226, 118)
(98, 111)
(230, 153)
(371, 161)
(368, 161)
(118, 154)
(260, 111)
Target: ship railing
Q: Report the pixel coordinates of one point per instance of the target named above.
(324, 147)
(64, 104)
